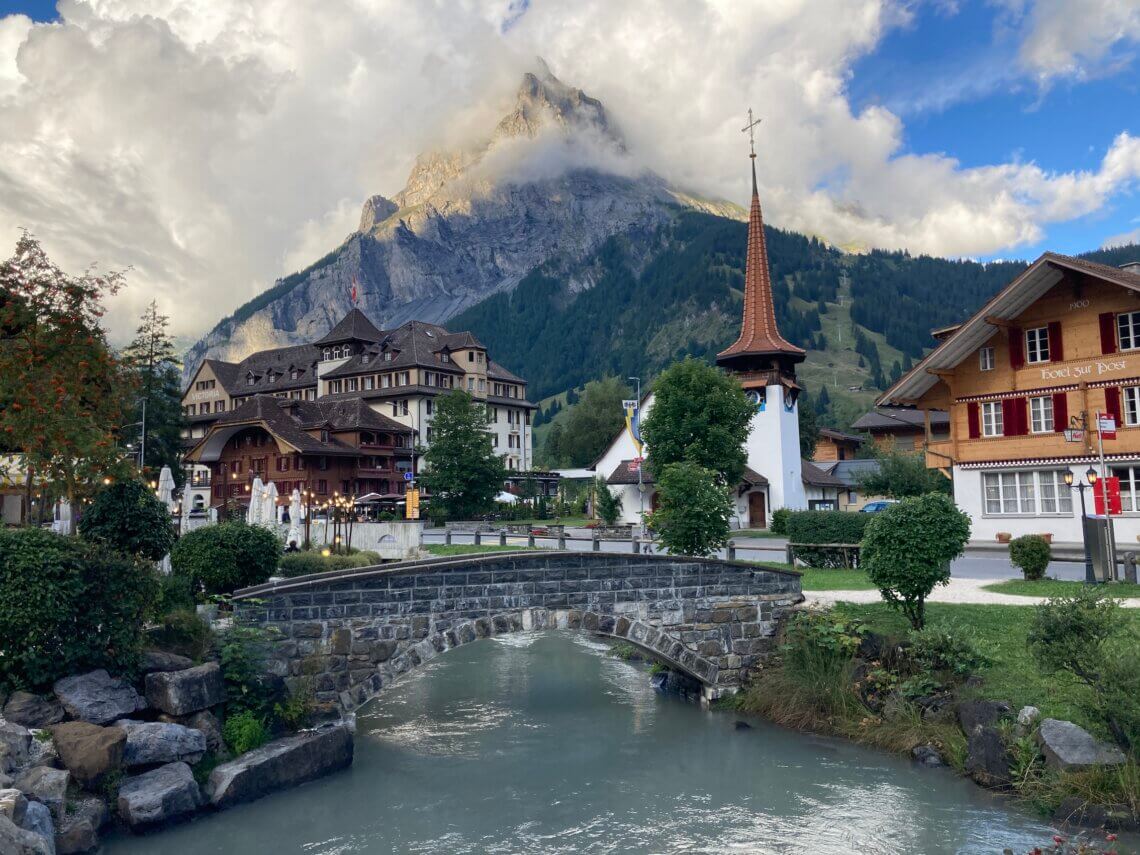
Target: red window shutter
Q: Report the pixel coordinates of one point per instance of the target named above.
(1009, 416)
(1056, 345)
(1108, 332)
(1022, 416)
(974, 420)
(1112, 403)
(1016, 348)
(1060, 412)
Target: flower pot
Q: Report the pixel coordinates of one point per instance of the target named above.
(1046, 536)
(1004, 537)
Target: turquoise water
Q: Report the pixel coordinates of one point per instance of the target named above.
(541, 743)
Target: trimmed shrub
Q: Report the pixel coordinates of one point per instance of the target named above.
(68, 606)
(780, 521)
(222, 558)
(825, 527)
(304, 563)
(1031, 554)
(128, 517)
(907, 550)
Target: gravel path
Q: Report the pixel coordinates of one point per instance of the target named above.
(958, 591)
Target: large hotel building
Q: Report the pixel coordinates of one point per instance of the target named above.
(344, 414)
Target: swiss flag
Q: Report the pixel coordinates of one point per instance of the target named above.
(354, 290)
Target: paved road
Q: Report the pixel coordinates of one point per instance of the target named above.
(977, 566)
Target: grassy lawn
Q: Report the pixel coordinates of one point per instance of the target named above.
(1057, 588)
(1001, 630)
(812, 579)
(469, 548)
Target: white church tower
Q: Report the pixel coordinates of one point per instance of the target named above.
(766, 366)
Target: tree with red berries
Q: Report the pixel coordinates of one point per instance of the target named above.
(63, 393)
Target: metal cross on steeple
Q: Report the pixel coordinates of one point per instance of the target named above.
(751, 134)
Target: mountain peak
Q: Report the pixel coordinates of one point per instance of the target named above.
(543, 99)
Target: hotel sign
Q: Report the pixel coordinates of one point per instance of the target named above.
(1078, 372)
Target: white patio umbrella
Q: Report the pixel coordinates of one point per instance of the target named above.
(269, 509)
(256, 498)
(62, 522)
(506, 498)
(296, 514)
(166, 487)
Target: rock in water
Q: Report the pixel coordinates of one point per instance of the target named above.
(164, 795)
(97, 697)
(927, 755)
(20, 841)
(160, 742)
(89, 751)
(1068, 747)
(32, 710)
(280, 764)
(79, 831)
(185, 692)
(988, 761)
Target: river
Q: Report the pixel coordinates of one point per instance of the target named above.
(540, 742)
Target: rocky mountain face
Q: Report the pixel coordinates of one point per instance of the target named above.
(548, 186)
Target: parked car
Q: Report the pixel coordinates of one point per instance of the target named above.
(877, 505)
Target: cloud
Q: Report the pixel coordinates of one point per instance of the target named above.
(214, 146)
(1074, 38)
(1122, 239)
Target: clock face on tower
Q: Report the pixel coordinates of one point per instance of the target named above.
(758, 398)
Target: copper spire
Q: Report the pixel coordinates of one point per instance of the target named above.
(759, 335)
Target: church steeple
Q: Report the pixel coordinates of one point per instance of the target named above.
(760, 345)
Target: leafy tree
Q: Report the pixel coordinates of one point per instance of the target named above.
(694, 509)
(152, 357)
(700, 415)
(907, 550)
(128, 517)
(552, 448)
(463, 473)
(608, 504)
(222, 558)
(593, 421)
(902, 475)
(809, 427)
(62, 391)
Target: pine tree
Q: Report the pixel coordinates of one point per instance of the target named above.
(824, 401)
(152, 358)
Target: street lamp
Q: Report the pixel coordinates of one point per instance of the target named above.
(1080, 487)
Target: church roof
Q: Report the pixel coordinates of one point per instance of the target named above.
(759, 335)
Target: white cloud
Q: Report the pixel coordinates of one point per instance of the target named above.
(1074, 38)
(1122, 239)
(214, 146)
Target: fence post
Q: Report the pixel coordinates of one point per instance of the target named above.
(597, 542)
(1130, 567)
(530, 540)
(447, 537)
(562, 540)
(636, 544)
(789, 555)
(502, 537)
(732, 550)
(478, 537)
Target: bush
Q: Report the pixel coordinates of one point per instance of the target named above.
(946, 650)
(304, 563)
(1032, 554)
(825, 527)
(175, 593)
(780, 520)
(68, 606)
(693, 511)
(127, 516)
(183, 632)
(818, 657)
(907, 550)
(608, 505)
(222, 558)
(244, 731)
(249, 688)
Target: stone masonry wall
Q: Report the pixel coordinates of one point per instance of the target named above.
(353, 632)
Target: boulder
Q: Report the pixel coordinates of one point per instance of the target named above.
(19, 841)
(927, 755)
(89, 751)
(79, 831)
(280, 764)
(988, 760)
(1069, 747)
(160, 660)
(185, 692)
(97, 697)
(38, 820)
(32, 710)
(205, 721)
(13, 804)
(975, 714)
(15, 746)
(46, 785)
(41, 750)
(151, 742)
(163, 795)
(1027, 717)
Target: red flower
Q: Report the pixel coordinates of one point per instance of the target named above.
(1110, 837)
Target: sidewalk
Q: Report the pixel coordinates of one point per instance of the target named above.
(958, 591)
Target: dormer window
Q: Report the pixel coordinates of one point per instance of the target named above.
(444, 357)
(324, 435)
(272, 377)
(250, 379)
(325, 354)
(336, 352)
(387, 356)
(347, 350)
(365, 359)
(294, 374)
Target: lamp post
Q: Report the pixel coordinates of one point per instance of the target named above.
(1080, 487)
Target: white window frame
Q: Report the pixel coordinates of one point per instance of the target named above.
(1054, 495)
(1129, 487)
(1128, 330)
(992, 422)
(1037, 345)
(986, 359)
(1131, 405)
(1041, 414)
(1040, 492)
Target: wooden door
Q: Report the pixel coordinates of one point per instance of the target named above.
(756, 516)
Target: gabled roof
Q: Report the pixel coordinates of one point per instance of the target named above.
(899, 418)
(280, 361)
(354, 326)
(840, 436)
(497, 372)
(816, 477)
(848, 471)
(1007, 305)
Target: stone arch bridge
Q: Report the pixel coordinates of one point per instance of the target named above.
(353, 632)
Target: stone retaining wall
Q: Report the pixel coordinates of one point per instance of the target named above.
(353, 632)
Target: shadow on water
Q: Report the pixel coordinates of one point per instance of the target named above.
(541, 743)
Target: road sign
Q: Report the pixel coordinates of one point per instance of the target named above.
(1106, 424)
(1114, 505)
(409, 476)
